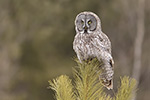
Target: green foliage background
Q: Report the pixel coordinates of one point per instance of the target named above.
(36, 43)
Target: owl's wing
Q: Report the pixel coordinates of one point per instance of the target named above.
(104, 45)
(103, 42)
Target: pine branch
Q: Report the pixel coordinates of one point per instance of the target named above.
(125, 92)
(87, 86)
(63, 88)
(86, 78)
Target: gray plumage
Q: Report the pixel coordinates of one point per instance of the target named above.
(91, 42)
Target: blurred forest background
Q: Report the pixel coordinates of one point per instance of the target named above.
(36, 43)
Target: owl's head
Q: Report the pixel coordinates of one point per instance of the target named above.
(87, 22)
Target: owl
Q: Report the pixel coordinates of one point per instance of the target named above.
(90, 42)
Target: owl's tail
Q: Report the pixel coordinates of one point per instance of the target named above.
(106, 77)
(108, 84)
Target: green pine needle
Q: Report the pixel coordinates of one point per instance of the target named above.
(87, 86)
(86, 78)
(63, 88)
(125, 92)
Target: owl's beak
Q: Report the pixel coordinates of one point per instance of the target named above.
(85, 29)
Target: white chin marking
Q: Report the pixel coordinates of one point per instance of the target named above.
(89, 31)
(82, 32)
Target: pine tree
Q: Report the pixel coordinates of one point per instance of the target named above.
(86, 86)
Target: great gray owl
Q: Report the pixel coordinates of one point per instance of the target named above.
(90, 42)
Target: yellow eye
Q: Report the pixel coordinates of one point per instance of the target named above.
(89, 22)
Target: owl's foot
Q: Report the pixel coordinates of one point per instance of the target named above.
(88, 60)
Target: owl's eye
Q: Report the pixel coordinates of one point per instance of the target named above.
(89, 22)
(82, 21)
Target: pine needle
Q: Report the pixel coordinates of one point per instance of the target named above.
(63, 88)
(86, 78)
(125, 92)
(87, 85)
